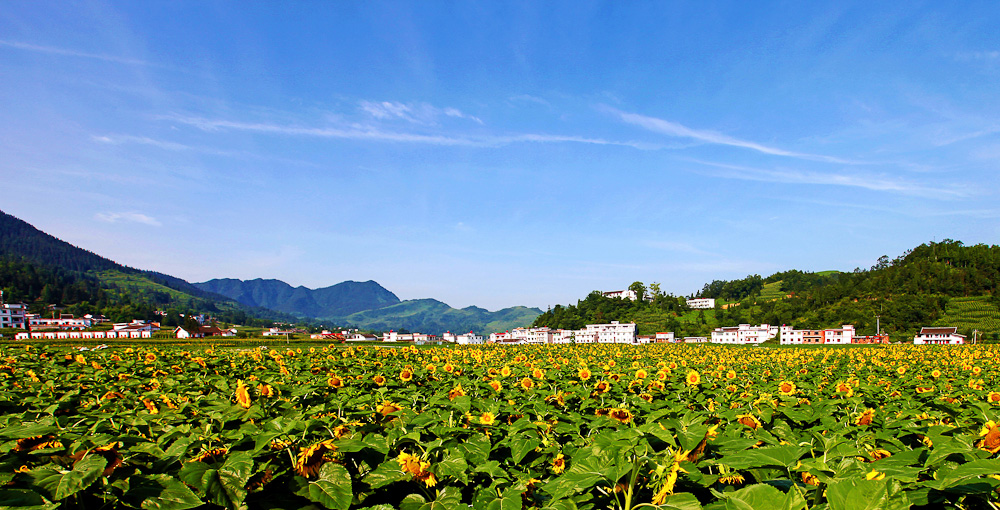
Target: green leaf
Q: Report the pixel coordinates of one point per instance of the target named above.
(448, 499)
(521, 446)
(454, 466)
(333, 488)
(761, 497)
(412, 502)
(160, 492)
(224, 486)
(476, 448)
(857, 494)
(778, 456)
(953, 477)
(59, 484)
(681, 501)
(386, 473)
(21, 499)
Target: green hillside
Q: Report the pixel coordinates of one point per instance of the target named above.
(943, 284)
(435, 317)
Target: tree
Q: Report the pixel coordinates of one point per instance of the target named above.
(639, 289)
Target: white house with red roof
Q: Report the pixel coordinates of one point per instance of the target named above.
(938, 336)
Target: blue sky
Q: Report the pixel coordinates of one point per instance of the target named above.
(500, 154)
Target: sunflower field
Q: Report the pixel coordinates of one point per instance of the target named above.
(507, 428)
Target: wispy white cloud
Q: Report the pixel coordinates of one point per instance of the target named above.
(526, 98)
(128, 217)
(674, 129)
(73, 53)
(142, 140)
(417, 113)
(869, 182)
(371, 133)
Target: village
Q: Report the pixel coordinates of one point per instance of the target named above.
(65, 326)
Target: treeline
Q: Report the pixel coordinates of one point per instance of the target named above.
(44, 287)
(652, 313)
(901, 294)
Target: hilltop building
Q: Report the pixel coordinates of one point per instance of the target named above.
(701, 303)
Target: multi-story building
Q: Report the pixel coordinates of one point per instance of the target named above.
(743, 334)
(938, 336)
(13, 315)
(614, 332)
(701, 303)
(834, 336)
(65, 321)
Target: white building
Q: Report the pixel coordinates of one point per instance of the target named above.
(395, 336)
(65, 321)
(667, 337)
(469, 338)
(702, 303)
(695, 340)
(13, 315)
(744, 334)
(614, 333)
(623, 294)
(592, 333)
(843, 335)
(938, 336)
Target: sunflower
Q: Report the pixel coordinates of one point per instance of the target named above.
(487, 418)
(991, 437)
(265, 390)
(379, 379)
(641, 374)
(557, 399)
(993, 397)
(786, 388)
(584, 374)
(732, 479)
(150, 357)
(845, 388)
(879, 454)
(456, 392)
(865, 418)
(406, 375)
(335, 382)
(693, 378)
(671, 479)
(416, 467)
(495, 385)
(30, 444)
(559, 464)
(749, 420)
(731, 375)
(936, 373)
(431, 368)
(620, 415)
(527, 383)
(310, 459)
(448, 367)
(210, 456)
(505, 372)
(242, 395)
(151, 407)
(809, 479)
(875, 475)
(602, 386)
(386, 408)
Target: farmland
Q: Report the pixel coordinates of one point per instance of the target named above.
(561, 427)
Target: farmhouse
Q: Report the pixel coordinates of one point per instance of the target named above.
(938, 336)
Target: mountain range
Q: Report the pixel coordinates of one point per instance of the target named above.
(368, 305)
(35, 265)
